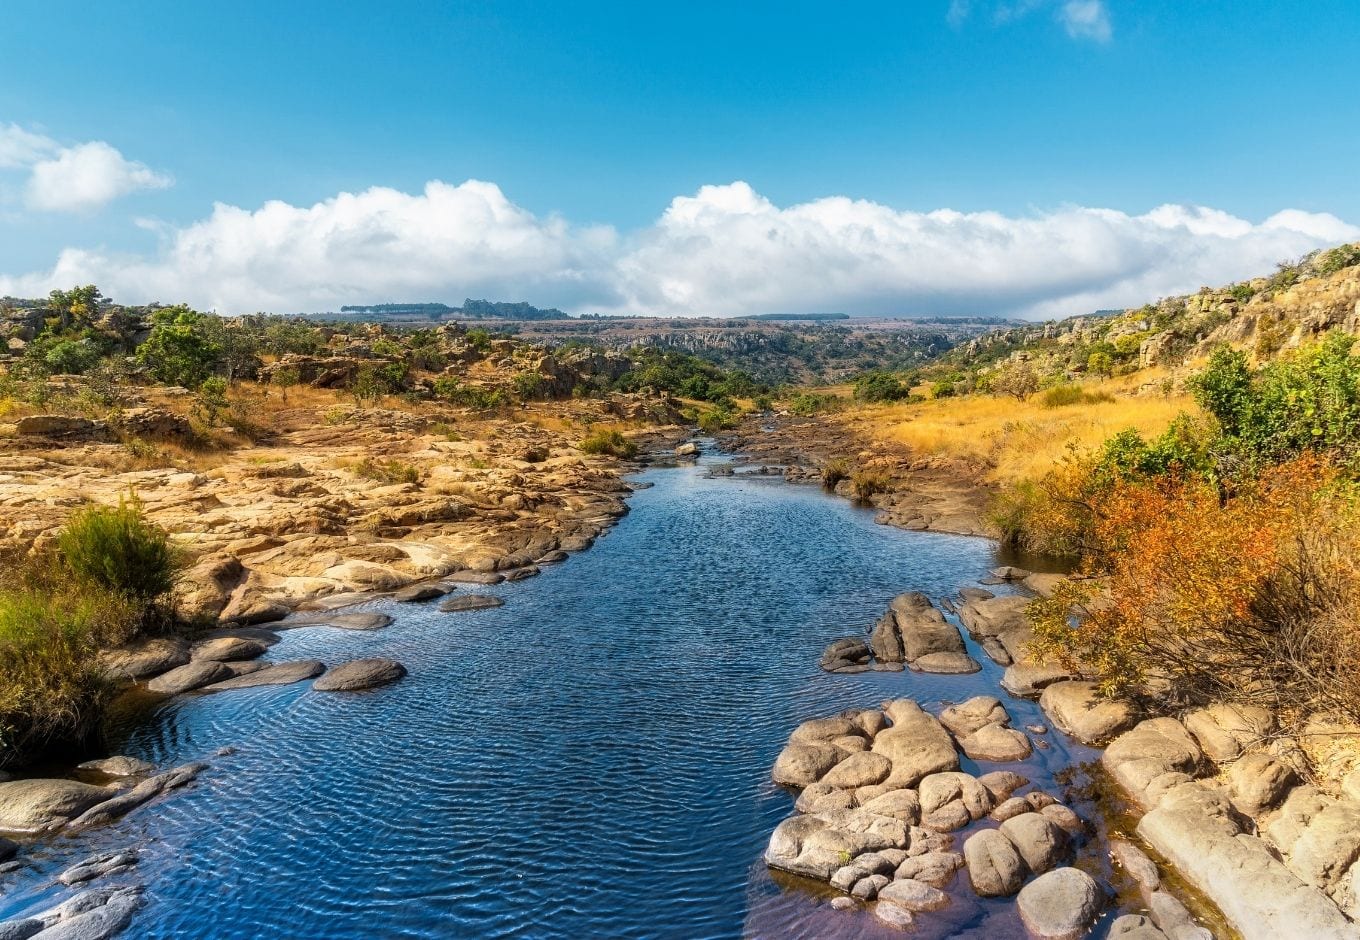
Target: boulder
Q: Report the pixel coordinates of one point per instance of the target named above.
(995, 868)
(1135, 862)
(939, 790)
(355, 621)
(859, 770)
(188, 677)
(108, 918)
(1061, 904)
(687, 449)
(272, 674)
(38, 804)
(105, 812)
(1328, 846)
(976, 713)
(1140, 759)
(1078, 709)
(119, 766)
(1224, 731)
(899, 804)
(1011, 808)
(415, 593)
(916, 744)
(148, 658)
(360, 674)
(1135, 927)
(1002, 783)
(914, 895)
(914, 632)
(866, 889)
(471, 602)
(1029, 679)
(1197, 830)
(1039, 840)
(894, 915)
(823, 730)
(844, 653)
(227, 648)
(818, 798)
(475, 577)
(1257, 782)
(799, 764)
(817, 845)
(995, 743)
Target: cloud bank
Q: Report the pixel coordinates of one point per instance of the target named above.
(723, 251)
(78, 178)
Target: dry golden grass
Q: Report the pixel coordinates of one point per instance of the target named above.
(1016, 440)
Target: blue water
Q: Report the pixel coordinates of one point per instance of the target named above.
(590, 760)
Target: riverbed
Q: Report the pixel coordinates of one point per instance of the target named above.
(590, 760)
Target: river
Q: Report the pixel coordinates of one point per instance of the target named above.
(590, 760)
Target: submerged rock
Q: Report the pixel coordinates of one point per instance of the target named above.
(97, 866)
(119, 766)
(1061, 904)
(995, 868)
(471, 602)
(273, 674)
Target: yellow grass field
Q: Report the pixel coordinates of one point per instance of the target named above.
(1020, 439)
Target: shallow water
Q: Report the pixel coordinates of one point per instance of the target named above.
(590, 760)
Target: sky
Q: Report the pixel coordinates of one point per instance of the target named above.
(1030, 158)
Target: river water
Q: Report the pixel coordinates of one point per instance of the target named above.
(589, 761)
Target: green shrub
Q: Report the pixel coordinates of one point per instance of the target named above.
(805, 404)
(613, 443)
(880, 387)
(711, 422)
(179, 350)
(119, 550)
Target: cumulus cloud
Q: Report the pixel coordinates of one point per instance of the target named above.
(78, 178)
(723, 251)
(1086, 19)
(88, 176)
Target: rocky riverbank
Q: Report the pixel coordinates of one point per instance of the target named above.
(909, 491)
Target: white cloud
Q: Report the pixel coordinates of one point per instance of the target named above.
(87, 176)
(1086, 19)
(724, 251)
(21, 148)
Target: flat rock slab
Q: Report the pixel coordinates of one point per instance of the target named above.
(227, 648)
(519, 574)
(98, 866)
(475, 577)
(360, 674)
(471, 602)
(189, 677)
(275, 674)
(421, 592)
(145, 659)
(357, 621)
(119, 766)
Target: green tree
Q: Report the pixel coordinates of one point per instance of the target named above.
(179, 351)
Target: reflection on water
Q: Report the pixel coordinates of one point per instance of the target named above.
(591, 760)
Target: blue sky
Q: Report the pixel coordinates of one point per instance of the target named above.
(591, 120)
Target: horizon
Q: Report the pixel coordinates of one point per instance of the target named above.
(1034, 159)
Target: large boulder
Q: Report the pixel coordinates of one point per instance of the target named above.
(914, 632)
(360, 674)
(850, 654)
(996, 743)
(38, 804)
(1080, 710)
(916, 744)
(858, 770)
(976, 713)
(995, 868)
(1061, 904)
(192, 676)
(1257, 782)
(799, 764)
(148, 658)
(1197, 830)
(818, 845)
(228, 648)
(1040, 841)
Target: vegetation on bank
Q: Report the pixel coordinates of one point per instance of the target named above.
(107, 580)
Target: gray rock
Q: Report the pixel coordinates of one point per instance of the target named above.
(1156, 747)
(848, 651)
(415, 593)
(995, 868)
(20, 929)
(35, 805)
(189, 677)
(360, 674)
(1078, 709)
(99, 923)
(1061, 904)
(521, 573)
(471, 602)
(1135, 862)
(1198, 832)
(108, 810)
(1174, 920)
(866, 889)
(476, 577)
(273, 674)
(97, 866)
(119, 766)
(916, 744)
(1039, 840)
(356, 621)
(227, 648)
(975, 594)
(894, 915)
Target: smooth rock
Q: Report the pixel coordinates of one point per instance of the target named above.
(33, 805)
(916, 743)
(1039, 840)
(148, 658)
(360, 674)
(1011, 808)
(1136, 863)
(899, 804)
(799, 765)
(894, 915)
(938, 790)
(1257, 782)
(415, 593)
(866, 889)
(1061, 904)
(189, 677)
(859, 770)
(1002, 783)
(915, 896)
(471, 602)
(227, 648)
(1029, 679)
(995, 743)
(476, 577)
(995, 868)
(273, 674)
(974, 714)
(1063, 816)
(355, 621)
(99, 923)
(1174, 919)
(1156, 747)
(119, 766)
(1076, 708)
(934, 868)
(97, 866)
(1224, 731)
(1135, 927)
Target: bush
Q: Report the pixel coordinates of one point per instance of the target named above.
(609, 442)
(880, 387)
(711, 422)
(179, 350)
(1067, 394)
(806, 404)
(865, 484)
(1018, 381)
(834, 472)
(387, 471)
(119, 550)
(469, 396)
